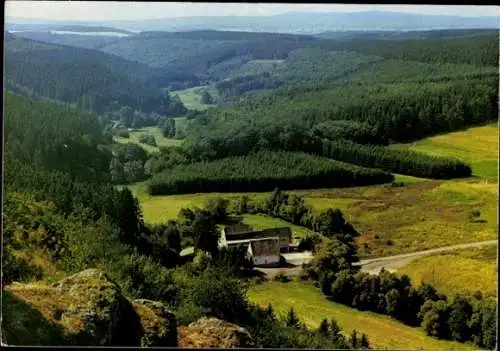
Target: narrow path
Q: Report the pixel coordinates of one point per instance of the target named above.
(373, 265)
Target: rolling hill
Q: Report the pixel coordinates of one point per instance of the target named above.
(105, 82)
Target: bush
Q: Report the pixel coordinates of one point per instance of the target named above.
(147, 139)
(474, 215)
(216, 293)
(18, 270)
(123, 133)
(281, 277)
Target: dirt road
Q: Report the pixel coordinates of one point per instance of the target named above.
(373, 265)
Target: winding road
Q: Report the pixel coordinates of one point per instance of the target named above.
(373, 265)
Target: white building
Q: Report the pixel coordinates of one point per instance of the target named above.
(264, 251)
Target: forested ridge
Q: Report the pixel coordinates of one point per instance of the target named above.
(480, 50)
(105, 82)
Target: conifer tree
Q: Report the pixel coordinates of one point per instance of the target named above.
(324, 327)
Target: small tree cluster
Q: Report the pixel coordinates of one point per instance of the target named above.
(147, 139)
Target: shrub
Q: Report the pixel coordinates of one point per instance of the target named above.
(123, 133)
(281, 277)
(147, 139)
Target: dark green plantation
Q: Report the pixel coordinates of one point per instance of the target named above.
(88, 79)
(263, 171)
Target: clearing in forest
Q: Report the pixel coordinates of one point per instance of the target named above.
(155, 131)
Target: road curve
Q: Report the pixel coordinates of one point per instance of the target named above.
(426, 252)
(373, 265)
(392, 263)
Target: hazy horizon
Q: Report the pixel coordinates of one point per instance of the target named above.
(126, 11)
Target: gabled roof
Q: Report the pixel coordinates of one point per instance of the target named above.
(269, 232)
(282, 231)
(238, 228)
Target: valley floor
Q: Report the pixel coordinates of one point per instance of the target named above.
(419, 216)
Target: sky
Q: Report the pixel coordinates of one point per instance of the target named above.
(106, 11)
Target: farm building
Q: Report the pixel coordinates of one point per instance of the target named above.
(265, 251)
(242, 232)
(263, 246)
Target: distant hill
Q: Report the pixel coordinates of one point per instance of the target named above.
(405, 35)
(294, 22)
(186, 59)
(90, 29)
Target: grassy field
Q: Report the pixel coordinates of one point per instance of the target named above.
(312, 307)
(160, 139)
(478, 146)
(191, 97)
(467, 271)
(421, 215)
(157, 209)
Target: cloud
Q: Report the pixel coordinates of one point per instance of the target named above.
(105, 11)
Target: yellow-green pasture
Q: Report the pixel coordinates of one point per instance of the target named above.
(311, 306)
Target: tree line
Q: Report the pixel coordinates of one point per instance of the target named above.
(262, 171)
(396, 160)
(337, 140)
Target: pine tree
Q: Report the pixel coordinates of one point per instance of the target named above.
(324, 327)
(270, 312)
(334, 329)
(353, 340)
(292, 320)
(364, 344)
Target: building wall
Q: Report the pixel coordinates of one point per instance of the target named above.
(266, 260)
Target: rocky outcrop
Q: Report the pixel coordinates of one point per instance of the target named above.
(158, 324)
(213, 332)
(85, 309)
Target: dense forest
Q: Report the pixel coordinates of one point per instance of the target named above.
(262, 171)
(105, 82)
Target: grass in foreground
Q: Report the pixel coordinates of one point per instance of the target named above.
(421, 215)
(457, 272)
(312, 307)
(160, 139)
(477, 146)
